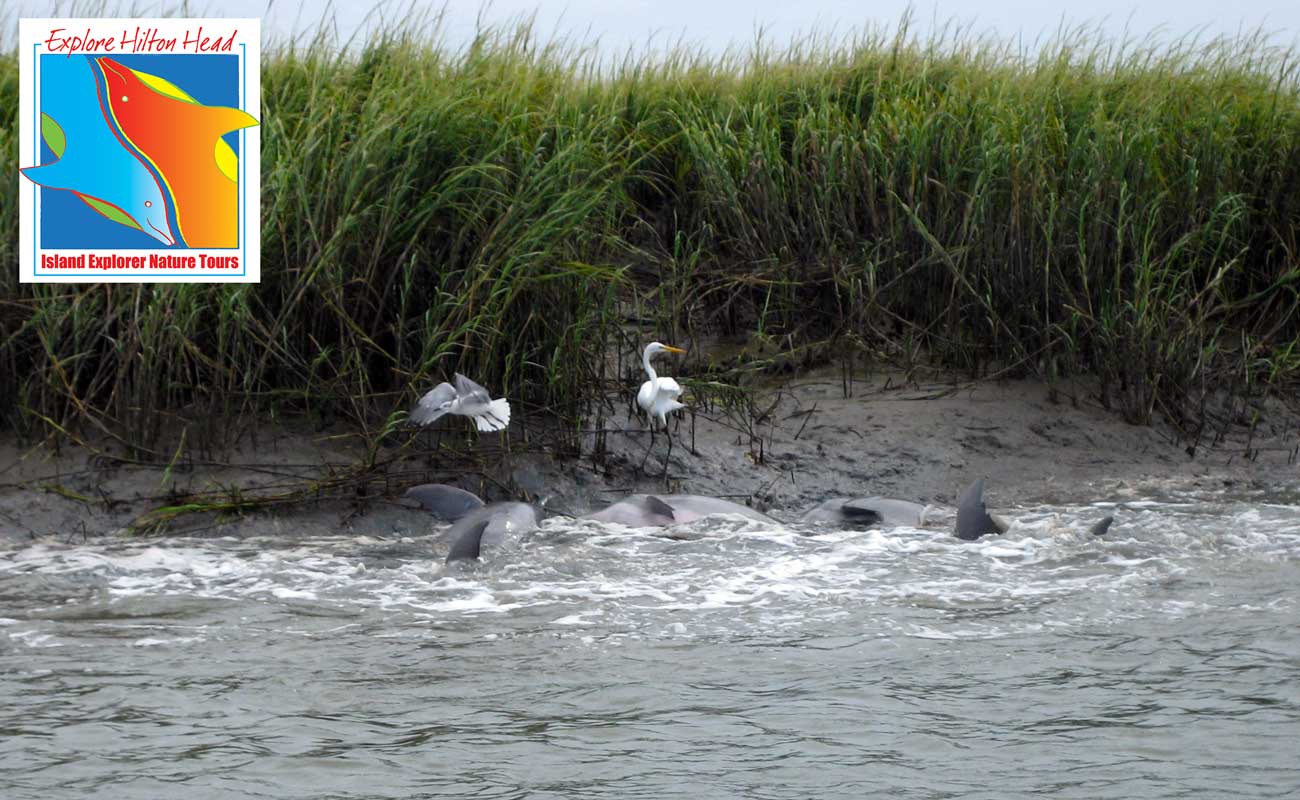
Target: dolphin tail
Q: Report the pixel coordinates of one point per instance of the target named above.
(48, 175)
(466, 548)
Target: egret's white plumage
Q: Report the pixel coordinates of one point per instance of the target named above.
(658, 396)
(467, 399)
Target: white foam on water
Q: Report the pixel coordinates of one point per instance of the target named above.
(159, 642)
(285, 593)
(36, 639)
(582, 618)
(723, 572)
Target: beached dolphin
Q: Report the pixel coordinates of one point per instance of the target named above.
(865, 512)
(492, 525)
(658, 511)
(476, 525)
(443, 501)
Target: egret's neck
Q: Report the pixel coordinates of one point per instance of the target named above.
(645, 359)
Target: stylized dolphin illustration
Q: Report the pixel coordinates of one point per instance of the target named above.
(187, 151)
(93, 162)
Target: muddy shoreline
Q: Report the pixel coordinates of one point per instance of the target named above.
(922, 442)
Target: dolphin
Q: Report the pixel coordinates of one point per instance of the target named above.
(443, 501)
(92, 162)
(474, 525)
(1102, 525)
(493, 525)
(973, 519)
(864, 512)
(200, 170)
(658, 511)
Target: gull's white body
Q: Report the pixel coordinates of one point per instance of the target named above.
(658, 396)
(467, 399)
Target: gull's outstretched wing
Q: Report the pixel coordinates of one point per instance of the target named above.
(471, 394)
(430, 406)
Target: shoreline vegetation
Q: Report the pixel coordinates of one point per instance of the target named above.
(517, 212)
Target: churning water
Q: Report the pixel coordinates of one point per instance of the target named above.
(748, 661)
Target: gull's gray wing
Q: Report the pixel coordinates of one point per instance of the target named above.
(470, 392)
(428, 409)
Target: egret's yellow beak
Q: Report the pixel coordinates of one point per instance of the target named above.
(672, 349)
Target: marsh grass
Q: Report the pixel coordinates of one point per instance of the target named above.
(1124, 210)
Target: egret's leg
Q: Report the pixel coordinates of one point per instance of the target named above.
(668, 457)
(644, 458)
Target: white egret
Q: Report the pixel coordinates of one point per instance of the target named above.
(467, 399)
(658, 397)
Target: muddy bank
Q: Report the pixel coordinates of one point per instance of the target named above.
(809, 442)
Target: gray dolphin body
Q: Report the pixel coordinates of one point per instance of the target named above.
(659, 511)
(492, 525)
(865, 512)
(446, 502)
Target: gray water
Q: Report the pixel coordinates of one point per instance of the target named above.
(750, 661)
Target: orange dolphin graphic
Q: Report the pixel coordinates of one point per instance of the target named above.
(181, 138)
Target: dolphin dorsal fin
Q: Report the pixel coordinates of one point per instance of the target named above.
(973, 520)
(466, 548)
(657, 506)
(1102, 525)
(860, 511)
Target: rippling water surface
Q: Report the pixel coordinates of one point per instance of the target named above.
(594, 661)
